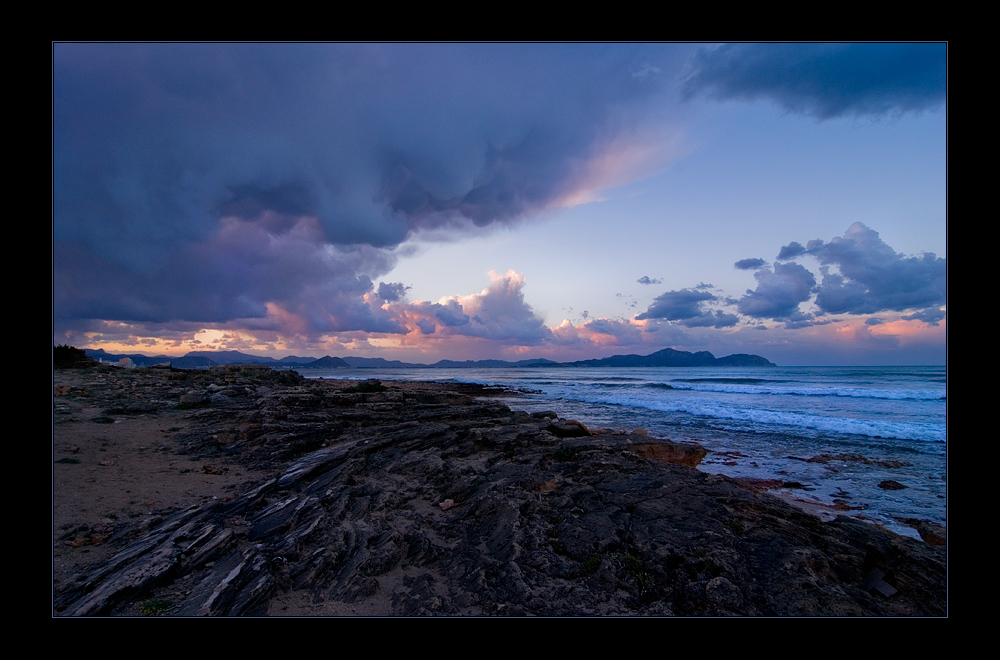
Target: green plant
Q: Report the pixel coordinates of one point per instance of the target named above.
(643, 578)
(735, 525)
(590, 566)
(155, 606)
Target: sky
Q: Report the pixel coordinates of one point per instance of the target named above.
(510, 201)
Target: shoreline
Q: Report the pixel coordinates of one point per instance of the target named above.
(337, 503)
(759, 431)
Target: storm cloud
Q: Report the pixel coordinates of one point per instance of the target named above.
(209, 182)
(825, 80)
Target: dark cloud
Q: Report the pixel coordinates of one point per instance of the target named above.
(718, 319)
(931, 315)
(873, 277)
(448, 314)
(749, 264)
(677, 305)
(645, 279)
(791, 251)
(204, 182)
(779, 292)
(860, 275)
(799, 320)
(233, 274)
(392, 292)
(825, 80)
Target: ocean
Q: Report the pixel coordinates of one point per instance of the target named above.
(834, 436)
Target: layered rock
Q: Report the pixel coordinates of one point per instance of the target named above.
(422, 500)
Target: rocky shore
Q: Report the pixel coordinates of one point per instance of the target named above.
(241, 490)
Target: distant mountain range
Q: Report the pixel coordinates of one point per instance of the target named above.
(668, 357)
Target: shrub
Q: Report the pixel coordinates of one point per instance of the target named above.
(365, 387)
(69, 357)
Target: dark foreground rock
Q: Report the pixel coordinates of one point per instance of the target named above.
(417, 500)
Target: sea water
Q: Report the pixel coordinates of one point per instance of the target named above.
(834, 436)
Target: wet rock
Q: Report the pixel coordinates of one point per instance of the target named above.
(420, 500)
(665, 451)
(931, 533)
(568, 428)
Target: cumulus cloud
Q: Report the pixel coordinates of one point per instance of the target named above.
(392, 292)
(499, 312)
(686, 307)
(791, 251)
(749, 264)
(825, 80)
(204, 182)
(779, 292)
(677, 305)
(448, 314)
(873, 277)
(645, 279)
(860, 275)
